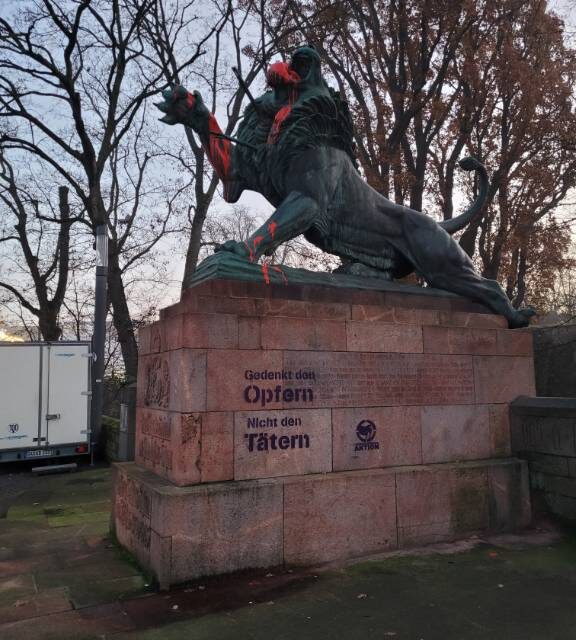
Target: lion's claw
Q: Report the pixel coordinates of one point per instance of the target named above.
(239, 248)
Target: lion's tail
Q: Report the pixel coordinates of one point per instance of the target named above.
(455, 224)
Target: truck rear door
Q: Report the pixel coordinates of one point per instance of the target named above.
(65, 416)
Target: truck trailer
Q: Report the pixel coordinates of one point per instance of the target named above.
(44, 400)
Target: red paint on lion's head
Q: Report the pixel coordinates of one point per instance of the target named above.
(281, 74)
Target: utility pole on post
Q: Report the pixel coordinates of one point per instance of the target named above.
(99, 335)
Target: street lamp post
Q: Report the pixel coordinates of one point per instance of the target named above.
(99, 335)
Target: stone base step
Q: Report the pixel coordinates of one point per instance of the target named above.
(183, 533)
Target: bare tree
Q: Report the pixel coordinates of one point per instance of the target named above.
(74, 77)
(233, 45)
(26, 231)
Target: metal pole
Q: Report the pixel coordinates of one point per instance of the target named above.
(99, 335)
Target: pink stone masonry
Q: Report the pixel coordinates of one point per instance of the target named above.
(301, 425)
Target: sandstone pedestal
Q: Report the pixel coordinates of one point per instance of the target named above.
(300, 424)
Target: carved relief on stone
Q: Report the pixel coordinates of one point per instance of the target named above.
(157, 382)
(156, 340)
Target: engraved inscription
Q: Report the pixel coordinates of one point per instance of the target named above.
(156, 424)
(377, 379)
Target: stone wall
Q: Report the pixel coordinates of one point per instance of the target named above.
(543, 432)
(555, 361)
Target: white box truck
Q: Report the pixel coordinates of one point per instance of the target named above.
(44, 400)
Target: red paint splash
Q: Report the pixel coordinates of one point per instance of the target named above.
(280, 74)
(272, 229)
(219, 150)
(265, 272)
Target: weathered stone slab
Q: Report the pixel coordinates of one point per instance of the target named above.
(501, 379)
(339, 516)
(182, 533)
(547, 435)
(282, 443)
(227, 528)
(317, 334)
(517, 342)
(173, 380)
(460, 340)
(499, 429)
(185, 448)
(371, 437)
(451, 433)
(510, 506)
(383, 336)
(383, 379)
(437, 504)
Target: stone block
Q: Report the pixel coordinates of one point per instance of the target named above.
(499, 429)
(500, 379)
(510, 506)
(209, 331)
(441, 503)
(303, 333)
(401, 315)
(553, 484)
(236, 306)
(231, 373)
(382, 379)
(452, 433)
(185, 448)
(222, 528)
(382, 336)
(552, 435)
(516, 342)
(282, 307)
(217, 459)
(562, 506)
(459, 340)
(282, 443)
(371, 437)
(249, 332)
(132, 508)
(423, 506)
(173, 380)
(472, 320)
(339, 516)
(548, 464)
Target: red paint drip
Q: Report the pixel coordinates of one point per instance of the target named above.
(272, 229)
(257, 241)
(279, 270)
(219, 150)
(265, 272)
(280, 74)
(190, 100)
(250, 252)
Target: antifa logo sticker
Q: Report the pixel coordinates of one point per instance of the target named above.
(366, 432)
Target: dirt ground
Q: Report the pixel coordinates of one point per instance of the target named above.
(63, 577)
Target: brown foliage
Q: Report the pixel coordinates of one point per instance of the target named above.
(429, 82)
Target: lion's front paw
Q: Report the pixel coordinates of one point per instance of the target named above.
(182, 107)
(239, 248)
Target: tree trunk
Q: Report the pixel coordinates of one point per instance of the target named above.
(121, 316)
